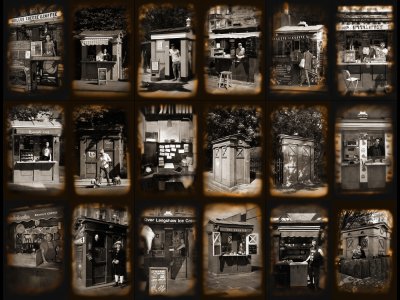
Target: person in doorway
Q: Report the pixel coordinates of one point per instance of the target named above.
(106, 55)
(240, 52)
(48, 249)
(176, 62)
(118, 261)
(182, 248)
(105, 160)
(315, 261)
(358, 253)
(49, 48)
(307, 67)
(376, 149)
(46, 152)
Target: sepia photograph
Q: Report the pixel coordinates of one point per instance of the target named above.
(167, 251)
(232, 250)
(101, 45)
(167, 141)
(35, 148)
(364, 262)
(299, 162)
(100, 250)
(232, 48)
(233, 153)
(299, 250)
(35, 49)
(167, 50)
(365, 46)
(101, 150)
(364, 149)
(34, 249)
(299, 47)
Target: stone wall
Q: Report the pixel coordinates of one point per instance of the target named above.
(370, 267)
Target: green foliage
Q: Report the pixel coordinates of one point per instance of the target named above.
(99, 117)
(102, 18)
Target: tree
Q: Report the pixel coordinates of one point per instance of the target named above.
(101, 18)
(351, 218)
(33, 112)
(154, 17)
(224, 121)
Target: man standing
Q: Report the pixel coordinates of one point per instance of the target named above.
(104, 160)
(307, 66)
(176, 62)
(315, 261)
(240, 52)
(46, 152)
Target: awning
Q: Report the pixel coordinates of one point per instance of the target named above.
(299, 231)
(291, 37)
(233, 35)
(95, 41)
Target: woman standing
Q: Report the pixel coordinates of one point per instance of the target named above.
(118, 261)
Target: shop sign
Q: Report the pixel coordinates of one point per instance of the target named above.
(233, 229)
(35, 18)
(36, 214)
(158, 278)
(31, 131)
(359, 27)
(168, 220)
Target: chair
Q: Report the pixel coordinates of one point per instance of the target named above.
(225, 79)
(350, 82)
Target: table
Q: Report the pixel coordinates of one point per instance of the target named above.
(36, 171)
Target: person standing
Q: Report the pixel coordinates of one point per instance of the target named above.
(176, 62)
(48, 249)
(307, 67)
(315, 261)
(105, 160)
(376, 149)
(46, 152)
(49, 46)
(118, 261)
(240, 52)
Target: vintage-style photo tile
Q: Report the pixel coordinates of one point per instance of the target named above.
(102, 54)
(101, 150)
(365, 49)
(364, 149)
(35, 148)
(167, 44)
(232, 49)
(299, 245)
(34, 249)
(233, 153)
(299, 47)
(167, 251)
(299, 144)
(100, 250)
(364, 259)
(35, 48)
(167, 142)
(232, 250)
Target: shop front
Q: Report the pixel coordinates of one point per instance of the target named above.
(35, 248)
(91, 141)
(224, 47)
(364, 39)
(364, 159)
(101, 55)
(291, 244)
(170, 244)
(35, 51)
(183, 40)
(93, 248)
(231, 245)
(289, 44)
(36, 151)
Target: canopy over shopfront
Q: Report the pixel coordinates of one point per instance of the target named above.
(46, 127)
(35, 215)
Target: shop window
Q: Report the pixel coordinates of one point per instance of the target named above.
(216, 243)
(296, 45)
(280, 48)
(158, 245)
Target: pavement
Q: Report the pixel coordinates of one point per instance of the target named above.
(302, 190)
(238, 87)
(166, 87)
(239, 284)
(175, 287)
(85, 187)
(105, 290)
(109, 89)
(298, 89)
(351, 284)
(251, 189)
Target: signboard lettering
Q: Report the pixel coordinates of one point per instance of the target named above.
(168, 220)
(359, 27)
(158, 278)
(50, 131)
(252, 249)
(45, 16)
(233, 229)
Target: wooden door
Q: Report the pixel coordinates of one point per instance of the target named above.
(304, 164)
(289, 164)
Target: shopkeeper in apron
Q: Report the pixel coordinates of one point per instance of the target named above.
(48, 249)
(315, 261)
